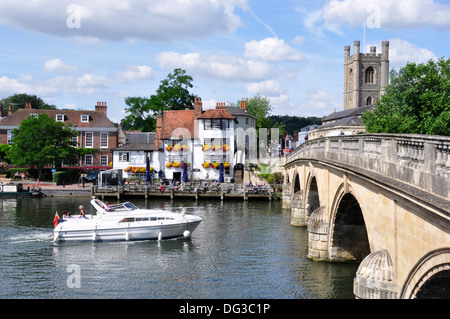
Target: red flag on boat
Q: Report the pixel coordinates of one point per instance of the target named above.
(56, 219)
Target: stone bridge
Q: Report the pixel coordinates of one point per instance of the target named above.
(379, 199)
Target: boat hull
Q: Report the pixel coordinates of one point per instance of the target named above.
(132, 233)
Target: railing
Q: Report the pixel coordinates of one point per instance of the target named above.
(419, 160)
(190, 189)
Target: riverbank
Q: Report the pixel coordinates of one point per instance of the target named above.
(50, 189)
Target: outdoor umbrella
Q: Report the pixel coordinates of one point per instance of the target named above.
(185, 177)
(221, 173)
(147, 170)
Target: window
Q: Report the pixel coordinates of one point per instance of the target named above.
(104, 139)
(370, 73)
(9, 136)
(369, 101)
(88, 139)
(84, 118)
(88, 159)
(75, 140)
(220, 124)
(59, 117)
(124, 157)
(104, 160)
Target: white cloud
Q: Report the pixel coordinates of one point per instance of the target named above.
(58, 66)
(321, 102)
(158, 20)
(91, 80)
(299, 40)
(216, 66)
(266, 88)
(271, 49)
(402, 52)
(8, 85)
(397, 14)
(136, 73)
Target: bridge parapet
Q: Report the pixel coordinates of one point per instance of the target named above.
(418, 160)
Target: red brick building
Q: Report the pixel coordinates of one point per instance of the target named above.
(94, 130)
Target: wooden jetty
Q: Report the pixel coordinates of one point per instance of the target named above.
(220, 191)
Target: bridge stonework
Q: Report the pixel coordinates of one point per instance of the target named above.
(379, 199)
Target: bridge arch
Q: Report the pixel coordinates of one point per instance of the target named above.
(312, 200)
(296, 182)
(430, 277)
(348, 239)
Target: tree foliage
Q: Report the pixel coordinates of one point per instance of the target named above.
(41, 141)
(417, 101)
(259, 106)
(19, 101)
(172, 94)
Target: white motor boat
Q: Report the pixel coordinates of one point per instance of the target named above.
(124, 222)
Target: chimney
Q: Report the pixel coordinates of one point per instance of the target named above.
(101, 107)
(10, 111)
(220, 105)
(28, 106)
(243, 104)
(198, 107)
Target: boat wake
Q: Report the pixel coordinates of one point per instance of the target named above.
(30, 236)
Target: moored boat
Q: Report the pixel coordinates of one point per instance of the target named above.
(124, 222)
(14, 191)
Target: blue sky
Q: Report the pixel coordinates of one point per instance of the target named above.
(73, 53)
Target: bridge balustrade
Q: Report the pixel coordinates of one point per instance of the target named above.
(418, 160)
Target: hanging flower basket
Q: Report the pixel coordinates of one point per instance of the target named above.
(214, 165)
(206, 164)
(206, 147)
(177, 147)
(136, 169)
(225, 148)
(226, 165)
(184, 148)
(169, 164)
(216, 147)
(176, 164)
(169, 148)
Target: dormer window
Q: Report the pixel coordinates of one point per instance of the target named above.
(84, 118)
(59, 117)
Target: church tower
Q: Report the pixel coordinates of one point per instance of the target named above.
(365, 75)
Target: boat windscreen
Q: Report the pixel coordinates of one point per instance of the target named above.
(129, 206)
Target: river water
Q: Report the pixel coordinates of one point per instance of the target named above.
(242, 250)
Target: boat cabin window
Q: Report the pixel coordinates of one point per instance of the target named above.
(143, 219)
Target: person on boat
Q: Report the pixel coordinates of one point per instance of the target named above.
(107, 207)
(82, 212)
(64, 214)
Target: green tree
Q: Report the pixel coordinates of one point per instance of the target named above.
(172, 94)
(19, 101)
(259, 107)
(417, 101)
(41, 141)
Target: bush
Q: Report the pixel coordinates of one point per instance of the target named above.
(69, 176)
